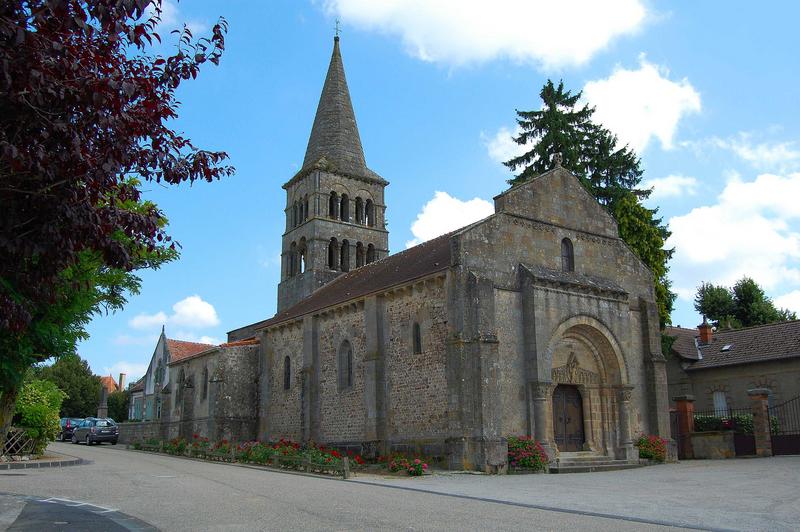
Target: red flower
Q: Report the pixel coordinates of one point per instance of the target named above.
(336, 454)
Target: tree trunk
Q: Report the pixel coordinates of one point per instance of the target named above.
(8, 400)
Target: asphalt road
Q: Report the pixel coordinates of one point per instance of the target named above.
(179, 494)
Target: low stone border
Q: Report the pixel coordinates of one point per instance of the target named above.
(42, 464)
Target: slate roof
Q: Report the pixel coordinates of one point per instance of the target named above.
(597, 283)
(414, 263)
(179, 349)
(684, 344)
(139, 386)
(335, 143)
(762, 343)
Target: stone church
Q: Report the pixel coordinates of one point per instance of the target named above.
(537, 320)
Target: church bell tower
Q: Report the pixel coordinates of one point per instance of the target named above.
(335, 210)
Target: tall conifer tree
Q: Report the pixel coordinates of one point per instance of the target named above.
(611, 173)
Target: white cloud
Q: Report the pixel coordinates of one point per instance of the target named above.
(148, 321)
(781, 156)
(789, 301)
(445, 213)
(171, 19)
(132, 370)
(751, 230)
(189, 336)
(552, 34)
(502, 147)
(638, 105)
(190, 312)
(671, 186)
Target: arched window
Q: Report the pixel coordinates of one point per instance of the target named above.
(369, 209)
(293, 259)
(305, 207)
(333, 206)
(417, 338)
(287, 373)
(301, 256)
(344, 211)
(205, 383)
(567, 256)
(370, 253)
(333, 250)
(345, 256)
(345, 366)
(360, 256)
(359, 211)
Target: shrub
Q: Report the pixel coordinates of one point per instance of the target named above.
(526, 453)
(740, 423)
(38, 405)
(176, 446)
(417, 467)
(652, 447)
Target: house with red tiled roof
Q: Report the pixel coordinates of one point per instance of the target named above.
(109, 384)
(718, 366)
(157, 377)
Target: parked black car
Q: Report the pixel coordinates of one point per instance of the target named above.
(96, 430)
(68, 424)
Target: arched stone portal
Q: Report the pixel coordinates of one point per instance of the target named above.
(586, 365)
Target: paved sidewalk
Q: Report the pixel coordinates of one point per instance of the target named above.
(738, 494)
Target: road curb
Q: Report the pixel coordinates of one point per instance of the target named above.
(42, 464)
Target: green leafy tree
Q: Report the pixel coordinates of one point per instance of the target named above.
(744, 305)
(37, 411)
(611, 173)
(118, 405)
(72, 374)
(86, 106)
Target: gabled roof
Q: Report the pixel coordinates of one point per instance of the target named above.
(109, 383)
(685, 344)
(414, 263)
(179, 349)
(139, 386)
(762, 343)
(335, 143)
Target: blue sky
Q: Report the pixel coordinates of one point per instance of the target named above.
(706, 92)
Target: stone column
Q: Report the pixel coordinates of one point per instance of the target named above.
(102, 410)
(625, 443)
(761, 430)
(684, 406)
(541, 392)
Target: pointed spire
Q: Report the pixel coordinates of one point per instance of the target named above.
(334, 135)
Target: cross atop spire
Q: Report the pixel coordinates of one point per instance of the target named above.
(337, 30)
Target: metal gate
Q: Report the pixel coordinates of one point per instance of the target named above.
(784, 427)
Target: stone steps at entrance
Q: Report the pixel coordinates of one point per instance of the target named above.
(589, 462)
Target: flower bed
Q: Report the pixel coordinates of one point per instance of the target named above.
(526, 455)
(652, 447)
(283, 454)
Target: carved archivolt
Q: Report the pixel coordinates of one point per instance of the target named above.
(572, 373)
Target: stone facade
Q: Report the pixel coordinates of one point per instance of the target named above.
(446, 348)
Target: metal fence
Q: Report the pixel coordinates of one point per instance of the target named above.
(785, 427)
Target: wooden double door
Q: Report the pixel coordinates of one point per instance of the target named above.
(568, 418)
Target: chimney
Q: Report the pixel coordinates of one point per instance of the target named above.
(121, 382)
(705, 332)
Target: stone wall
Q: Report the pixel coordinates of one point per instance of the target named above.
(512, 363)
(713, 445)
(342, 411)
(417, 383)
(140, 431)
(284, 409)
